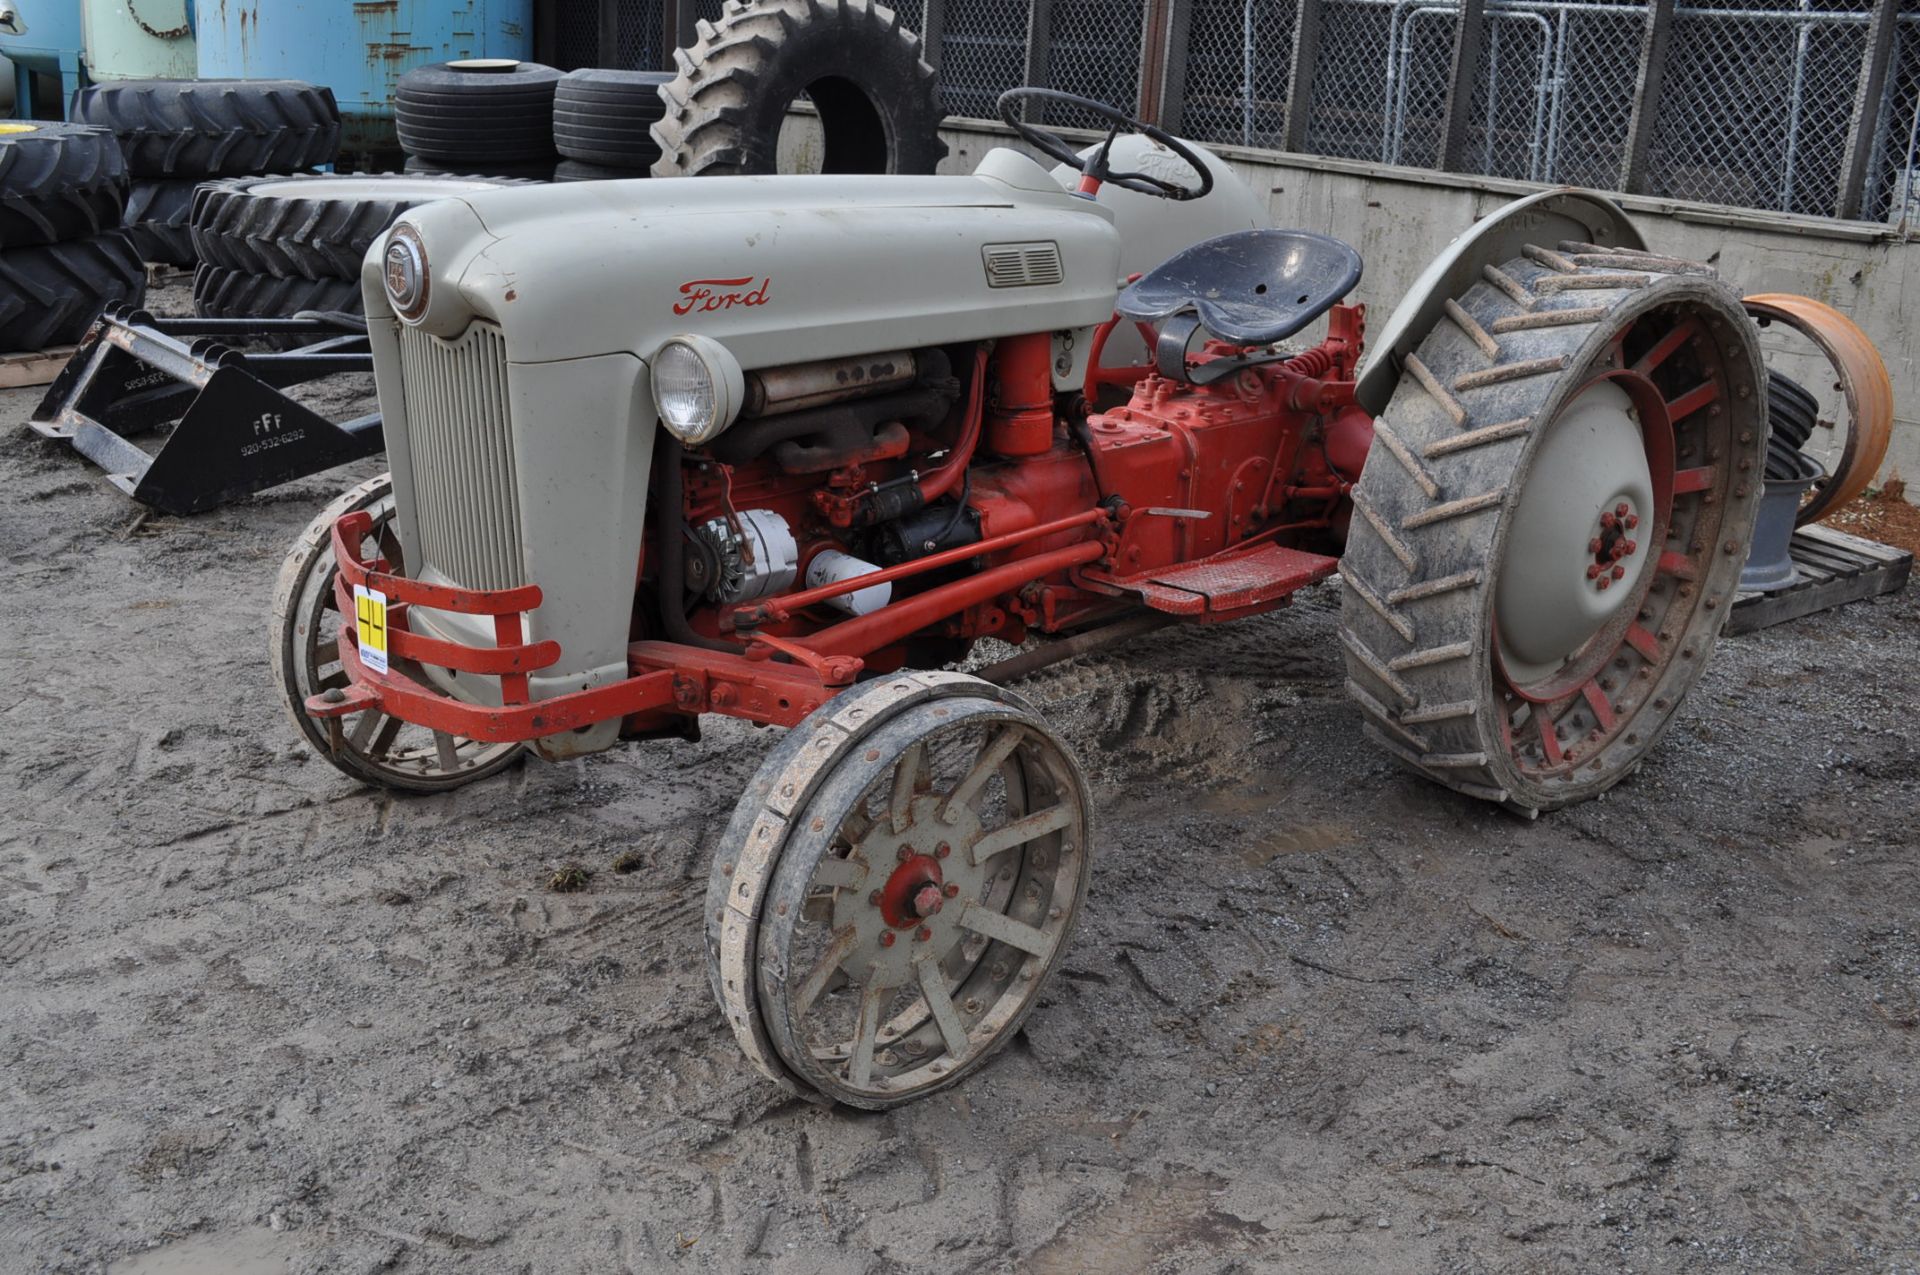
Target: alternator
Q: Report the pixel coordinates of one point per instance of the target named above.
(750, 556)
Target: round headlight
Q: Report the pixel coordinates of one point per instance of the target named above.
(403, 265)
(697, 388)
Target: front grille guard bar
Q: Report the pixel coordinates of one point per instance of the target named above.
(667, 677)
(238, 433)
(772, 680)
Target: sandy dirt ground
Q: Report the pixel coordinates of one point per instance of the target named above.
(1319, 1016)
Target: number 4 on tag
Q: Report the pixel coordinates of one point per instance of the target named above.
(370, 626)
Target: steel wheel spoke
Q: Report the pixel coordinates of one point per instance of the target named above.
(983, 767)
(840, 874)
(873, 1004)
(383, 742)
(1021, 831)
(933, 986)
(1003, 928)
(855, 826)
(363, 730)
(908, 779)
(445, 749)
(816, 980)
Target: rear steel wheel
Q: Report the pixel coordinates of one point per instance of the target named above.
(909, 904)
(1551, 525)
(370, 745)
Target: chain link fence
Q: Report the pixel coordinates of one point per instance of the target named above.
(1238, 70)
(1757, 109)
(1893, 181)
(1757, 106)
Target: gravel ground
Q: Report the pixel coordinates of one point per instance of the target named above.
(1320, 1016)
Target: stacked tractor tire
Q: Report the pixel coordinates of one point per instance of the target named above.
(63, 256)
(1792, 413)
(603, 124)
(527, 121)
(179, 133)
(489, 116)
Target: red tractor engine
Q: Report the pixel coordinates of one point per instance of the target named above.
(1258, 460)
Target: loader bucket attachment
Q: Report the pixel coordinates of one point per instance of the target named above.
(237, 433)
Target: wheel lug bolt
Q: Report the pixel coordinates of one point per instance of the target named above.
(1607, 521)
(1605, 582)
(1619, 573)
(1633, 520)
(1594, 545)
(873, 899)
(942, 851)
(953, 891)
(1632, 547)
(923, 934)
(1593, 569)
(886, 938)
(903, 853)
(1621, 509)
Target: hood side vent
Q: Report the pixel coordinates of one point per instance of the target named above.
(1023, 265)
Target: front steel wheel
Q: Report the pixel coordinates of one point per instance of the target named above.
(923, 889)
(370, 746)
(1550, 527)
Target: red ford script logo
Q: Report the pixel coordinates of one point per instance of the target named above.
(721, 294)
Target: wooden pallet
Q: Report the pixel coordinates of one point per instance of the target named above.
(1834, 569)
(37, 368)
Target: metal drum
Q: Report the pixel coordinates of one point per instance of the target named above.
(138, 39)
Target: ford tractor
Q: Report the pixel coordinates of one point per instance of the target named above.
(785, 448)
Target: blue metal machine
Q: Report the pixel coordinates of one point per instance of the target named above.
(358, 50)
(45, 37)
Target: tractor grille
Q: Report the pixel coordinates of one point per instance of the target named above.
(459, 430)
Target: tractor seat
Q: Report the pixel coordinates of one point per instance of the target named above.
(1252, 287)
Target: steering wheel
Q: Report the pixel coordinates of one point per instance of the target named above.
(1093, 169)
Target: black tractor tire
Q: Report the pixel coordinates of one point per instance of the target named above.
(1454, 458)
(878, 100)
(157, 212)
(463, 113)
(58, 181)
(573, 170)
(313, 225)
(235, 294)
(215, 128)
(607, 117)
(51, 293)
(1792, 411)
(538, 172)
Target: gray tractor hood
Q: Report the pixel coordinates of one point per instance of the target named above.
(779, 269)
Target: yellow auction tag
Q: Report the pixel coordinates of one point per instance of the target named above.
(370, 625)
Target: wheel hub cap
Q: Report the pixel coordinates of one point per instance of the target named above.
(1572, 560)
(906, 920)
